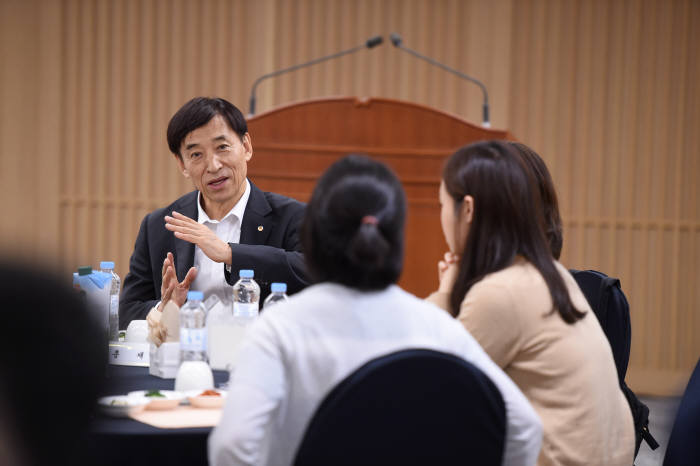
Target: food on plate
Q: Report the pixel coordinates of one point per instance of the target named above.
(159, 399)
(208, 399)
(120, 405)
(119, 402)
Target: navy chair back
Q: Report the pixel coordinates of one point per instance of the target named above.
(412, 407)
(684, 443)
(610, 306)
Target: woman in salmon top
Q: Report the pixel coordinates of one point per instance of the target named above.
(502, 283)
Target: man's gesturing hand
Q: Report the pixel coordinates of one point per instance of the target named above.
(189, 230)
(170, 287)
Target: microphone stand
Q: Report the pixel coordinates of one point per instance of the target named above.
(370, 43)
(396, 40)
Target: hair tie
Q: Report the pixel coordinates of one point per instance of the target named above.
(370, 220)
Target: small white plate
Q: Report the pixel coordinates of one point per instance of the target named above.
(120, 405)
(169, 400)
(198, 400)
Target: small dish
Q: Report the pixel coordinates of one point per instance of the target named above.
(168, 400)
(121, 405)
(206, 398)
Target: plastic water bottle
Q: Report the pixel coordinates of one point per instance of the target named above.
(193, 332)
(246, 298)
(108, 267)
(79, 280)
(95, 286)
(278, 295)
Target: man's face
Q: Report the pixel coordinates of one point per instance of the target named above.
(216, 160)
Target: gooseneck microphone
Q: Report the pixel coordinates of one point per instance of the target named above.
(397, 41)
(369, 43)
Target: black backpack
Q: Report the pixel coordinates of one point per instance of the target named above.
(610, 306)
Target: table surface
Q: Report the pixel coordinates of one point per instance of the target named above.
(124, 379)
(124, 441)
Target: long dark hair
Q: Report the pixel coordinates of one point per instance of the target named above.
(354, 223)
(553, 229)
(507, 220)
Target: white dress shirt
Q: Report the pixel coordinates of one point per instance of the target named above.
(294, 355)
(210, 275)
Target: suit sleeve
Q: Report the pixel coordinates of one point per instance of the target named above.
(273, 264)
(139, 293)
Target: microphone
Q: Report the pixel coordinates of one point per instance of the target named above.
(397, 41)
(369, 43)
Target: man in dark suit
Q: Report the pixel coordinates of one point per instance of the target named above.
(204, 238)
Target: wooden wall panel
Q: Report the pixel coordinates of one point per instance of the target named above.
(607, 92)
(29, 129)
(460, 34)
(617, 143)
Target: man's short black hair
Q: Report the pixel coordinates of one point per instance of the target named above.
(198, 112)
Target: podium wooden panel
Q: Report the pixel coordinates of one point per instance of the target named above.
(294, 144)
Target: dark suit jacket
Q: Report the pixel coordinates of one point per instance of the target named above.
(273, 252)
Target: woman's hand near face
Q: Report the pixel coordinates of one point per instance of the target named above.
(447, 271)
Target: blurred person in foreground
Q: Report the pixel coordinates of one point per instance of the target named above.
(353, 237)
(53, 357)
(204, 238)
(502, 283)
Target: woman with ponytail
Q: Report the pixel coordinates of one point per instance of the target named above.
(502, 283)
(293, 356)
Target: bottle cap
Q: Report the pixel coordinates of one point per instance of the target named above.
(109, 265)
(245, 273)
(195, 296)
(278, 287)
(84, 270)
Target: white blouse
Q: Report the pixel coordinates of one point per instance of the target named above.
(296, 353)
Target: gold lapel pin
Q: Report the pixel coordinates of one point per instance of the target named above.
(260, 228)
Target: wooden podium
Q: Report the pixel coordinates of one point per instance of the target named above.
(294, 144)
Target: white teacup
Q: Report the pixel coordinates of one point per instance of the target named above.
(137, 331)
(194, 375)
